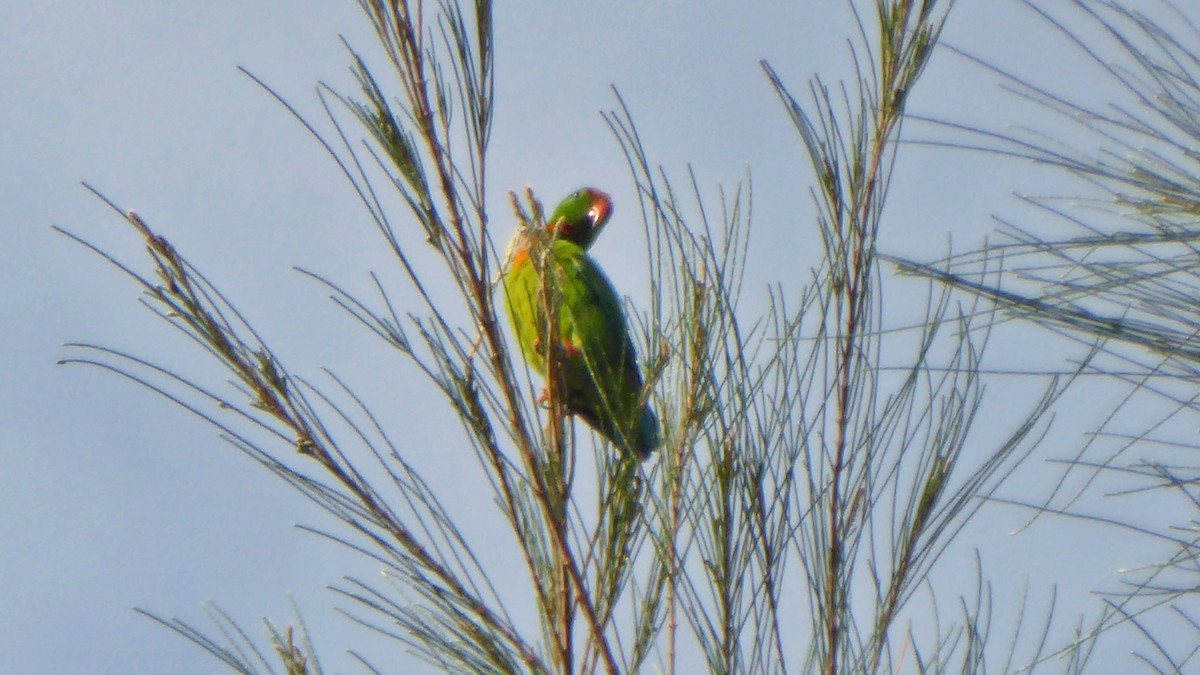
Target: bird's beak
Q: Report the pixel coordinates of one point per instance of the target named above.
(601, 209)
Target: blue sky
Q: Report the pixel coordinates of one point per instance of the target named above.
(111, 498)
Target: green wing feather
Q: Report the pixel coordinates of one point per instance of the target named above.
(601, 380)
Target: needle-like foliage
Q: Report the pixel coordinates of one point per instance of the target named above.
(803, 492)
(1124, 280)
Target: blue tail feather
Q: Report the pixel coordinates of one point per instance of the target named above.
(648, 437)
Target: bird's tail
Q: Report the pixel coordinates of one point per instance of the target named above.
(640, 438)
(647, 437)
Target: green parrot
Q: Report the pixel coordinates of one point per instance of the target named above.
(601, 382)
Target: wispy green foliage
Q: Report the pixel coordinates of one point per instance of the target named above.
(238, 651)
(802, 493)
(1124, 282)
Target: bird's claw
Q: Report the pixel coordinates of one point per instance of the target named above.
(571, 350)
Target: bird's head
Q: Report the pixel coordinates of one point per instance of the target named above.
(581, 216)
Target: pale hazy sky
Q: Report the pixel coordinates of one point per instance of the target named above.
(111, 498)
